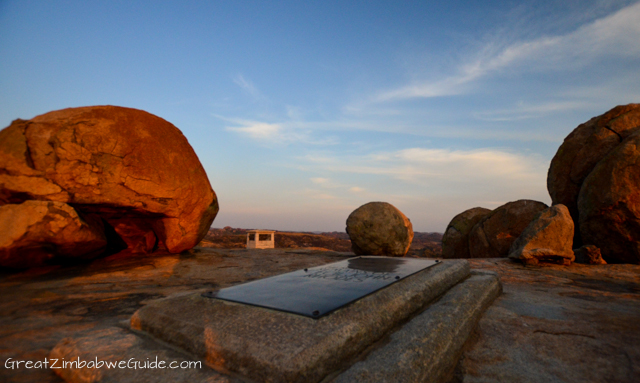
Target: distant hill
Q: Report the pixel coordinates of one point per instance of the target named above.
(423, 245)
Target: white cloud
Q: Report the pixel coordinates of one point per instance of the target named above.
(320, 180)
(279, 132)
(260, 131)
(458, 171)
(356, 189)
(617, 34)
(473, 164)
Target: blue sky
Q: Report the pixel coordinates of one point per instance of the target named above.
(301, 111)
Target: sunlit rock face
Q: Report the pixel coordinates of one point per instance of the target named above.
(131, 170)
(548, 238)
(379, 228)
(582, 150)
(455, 242)
(494, 234)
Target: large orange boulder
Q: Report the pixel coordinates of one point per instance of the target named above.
(609, 203)
(581, 151)
(379, 228)
(548, 238)
(493, 235)
(133, 170)
(34, 232)
(455, 241)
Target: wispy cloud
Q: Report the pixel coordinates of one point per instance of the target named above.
(276, 132)
(615, 35)
(444, 167)
(523, 111)
(320, 181)
(260, 131)
(246, 85)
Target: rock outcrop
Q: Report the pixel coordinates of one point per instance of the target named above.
(589, 255)
(548, 238)
(34, 232)
(133, 170)
(455, 242)
(378, 228)
(493, 235)
(609, 203)
(582, 150)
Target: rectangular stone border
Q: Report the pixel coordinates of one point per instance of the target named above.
(428, 347)
(272, 346)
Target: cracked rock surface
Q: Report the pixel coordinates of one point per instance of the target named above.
(132, 170)
(554, 323)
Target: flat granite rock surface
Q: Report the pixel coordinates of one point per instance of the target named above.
(578, 323)
(553, 323)
(40, 307)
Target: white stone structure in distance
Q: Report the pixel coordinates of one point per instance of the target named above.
(260, 239)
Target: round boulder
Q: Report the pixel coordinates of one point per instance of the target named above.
(582, 149)
(609, 204)
(493, 235)
(378, 228)
(455, 242)
(133, 170)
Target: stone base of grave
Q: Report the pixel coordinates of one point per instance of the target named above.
(411, 331)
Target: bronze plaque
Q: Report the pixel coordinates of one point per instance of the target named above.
(318, 291)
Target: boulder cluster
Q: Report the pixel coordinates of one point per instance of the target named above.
(593, 182)
(84, 182)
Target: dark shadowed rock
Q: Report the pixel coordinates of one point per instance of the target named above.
(583, 149)
(548, 238)
(455, 242)
(609, 204)
(589, 255)
(35, 232)
(493, 236)
(378, 228)
(133, 169)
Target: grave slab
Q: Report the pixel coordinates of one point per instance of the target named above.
(275, 346)
(318, 291)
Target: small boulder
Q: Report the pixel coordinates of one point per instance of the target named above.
(548, 238)
(609, 204)
(494, 234)
(581, 151)
(134, 170)
(589, 255)
(35, 232)
(455, 242)
(378, 228)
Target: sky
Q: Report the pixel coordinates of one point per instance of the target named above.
(302, 111)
